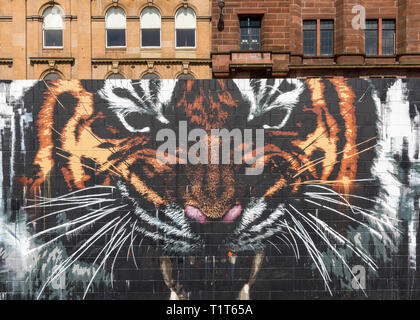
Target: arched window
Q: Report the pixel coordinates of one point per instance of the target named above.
(52, 27)
(115, 76)
(150, 27)
(184, 76)
(185, 28)
(115, 23)
(151, 76)
(52, 76)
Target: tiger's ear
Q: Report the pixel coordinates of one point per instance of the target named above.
(265, 95)
(127, 98)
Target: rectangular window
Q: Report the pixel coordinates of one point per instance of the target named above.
(380, 37)
(250, 33)
(53, 38)
(371, 37)
(388, 37)
(314, 46)
(309, 37)
(150, 37)
(327, 37)
(115, 37)
(185, 38)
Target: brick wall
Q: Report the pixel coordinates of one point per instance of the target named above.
(282, 31)
(84, 54)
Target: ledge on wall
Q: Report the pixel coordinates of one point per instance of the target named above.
(51, 60)
(8, 61)
(148, 60)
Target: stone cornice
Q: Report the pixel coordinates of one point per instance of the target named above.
(6, 61)
(39, 18)
(164, 61)
(51, 60)
(353, 66)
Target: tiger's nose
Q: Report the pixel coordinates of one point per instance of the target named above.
(197, 215)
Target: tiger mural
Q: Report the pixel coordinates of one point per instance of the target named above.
(98, 200)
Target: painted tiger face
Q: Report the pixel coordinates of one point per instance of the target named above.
(101, 148)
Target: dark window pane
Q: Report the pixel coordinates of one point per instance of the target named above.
(185, 77)
(250, 33)
(52, 76)
(150, 38)
(150, 76)
(115, 76)
(388, 24)
(53, 38)
(371, 37)
(327, 24)
(115, 37)
(327, 42)
(185, 37)
(388, 37)
(372, 24)
(309, 37)
(327, 37)
(309, 25)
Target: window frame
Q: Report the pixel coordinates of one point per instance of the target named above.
(160, 30)
(316, 37)
(55, 29)
(318, 40)
(394, 39)
(380, 29)
(260, 18)
(195, 30)
(332, 38)
(125, 31)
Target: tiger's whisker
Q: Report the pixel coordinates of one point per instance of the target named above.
(313, 252)
(115, 258)
(100, 266)
(72, 208)
(121, 228)
(290, 245)
(73, 230)
(323, 158)
(131, 244)
(274, 246)
(323, 237)
(91, 215)
(65, 264)
(347, 216)
(357, 209)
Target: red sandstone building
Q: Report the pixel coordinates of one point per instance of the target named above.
(311, 38)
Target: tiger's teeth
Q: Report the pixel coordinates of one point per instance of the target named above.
(244, 294)
(177, 292)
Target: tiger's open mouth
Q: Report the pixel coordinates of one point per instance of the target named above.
(246, 276)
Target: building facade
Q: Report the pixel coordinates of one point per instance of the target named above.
(149, 39)
(312, 38)
(99, 39)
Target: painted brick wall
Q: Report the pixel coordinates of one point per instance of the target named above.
(111, 190)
